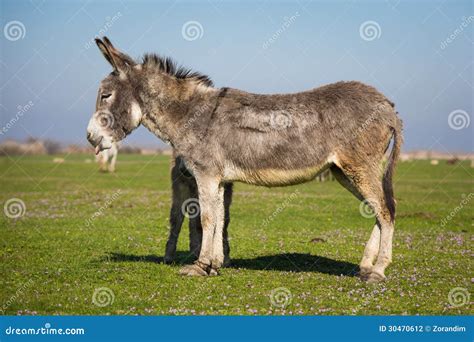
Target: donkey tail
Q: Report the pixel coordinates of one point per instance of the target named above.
(387, 183)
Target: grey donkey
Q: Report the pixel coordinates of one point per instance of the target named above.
(227, 135)
(185, 202)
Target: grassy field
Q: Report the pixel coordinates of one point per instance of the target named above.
(295, 250)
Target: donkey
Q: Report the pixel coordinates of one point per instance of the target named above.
(227, 135)
(107, 159)
(185, 201)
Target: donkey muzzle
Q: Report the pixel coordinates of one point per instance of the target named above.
(93, 139)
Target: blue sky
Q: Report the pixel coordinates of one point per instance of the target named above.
(50, 71)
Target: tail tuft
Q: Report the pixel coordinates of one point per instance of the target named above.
(387, 182)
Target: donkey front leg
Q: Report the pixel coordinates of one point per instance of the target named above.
(112, 163)
(102, 162)
(218, 255)
(211, 202)
(195, 227)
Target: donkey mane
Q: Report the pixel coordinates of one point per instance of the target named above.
(169, 66)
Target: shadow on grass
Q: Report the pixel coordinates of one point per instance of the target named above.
(182, 258)
(289, 262)
(298, 262)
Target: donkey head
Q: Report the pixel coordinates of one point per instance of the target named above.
(117, 111)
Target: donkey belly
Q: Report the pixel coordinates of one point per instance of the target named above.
(275, 176)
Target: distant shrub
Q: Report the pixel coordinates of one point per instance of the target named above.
(52, 147)
(129, 150)
(11, 148)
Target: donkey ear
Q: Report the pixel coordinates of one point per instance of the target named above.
(122, 57)
(106, 52)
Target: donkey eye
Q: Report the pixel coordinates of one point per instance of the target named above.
(105, 96)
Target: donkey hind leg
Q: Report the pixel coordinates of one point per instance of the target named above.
(370, 253)
(372, 191)
(372, 247)
(180, 194)
(211, 202)
(368, 187)
(228, 188)
(195, 236)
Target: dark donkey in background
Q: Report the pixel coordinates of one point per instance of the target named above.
(227, 135)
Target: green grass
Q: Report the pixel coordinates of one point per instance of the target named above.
(52, 260)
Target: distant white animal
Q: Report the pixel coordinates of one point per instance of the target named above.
(107, 158)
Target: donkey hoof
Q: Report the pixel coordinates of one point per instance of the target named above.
(374, 278)
(168, 260)
(192, 270)
(214, 272)
(217, 263)
(364, 272)
(226, 262)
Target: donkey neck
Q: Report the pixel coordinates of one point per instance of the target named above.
(175, 110)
